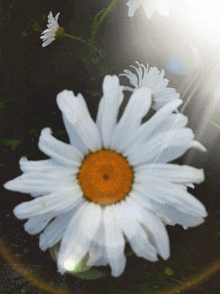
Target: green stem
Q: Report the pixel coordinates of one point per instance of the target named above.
(72, 37)
(108, 9)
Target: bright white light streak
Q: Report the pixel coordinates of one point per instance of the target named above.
(192, 87)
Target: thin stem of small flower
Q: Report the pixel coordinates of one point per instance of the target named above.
(79, 39)
(108, 9)
(106, 12)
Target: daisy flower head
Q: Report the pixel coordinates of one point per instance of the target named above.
(153, 79)
(53, 32)
(113, 183)
(149, 7)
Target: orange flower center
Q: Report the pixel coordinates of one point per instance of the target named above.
(105, 177)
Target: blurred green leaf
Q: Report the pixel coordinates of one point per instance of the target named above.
(11, 143)
(94, 94)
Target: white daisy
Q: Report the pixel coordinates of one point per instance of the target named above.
(153, 79)
(112, 184)
(50, 34)
(149, 7)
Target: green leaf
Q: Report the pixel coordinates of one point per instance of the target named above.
(11, 143)
(94, 94)
(91, 274)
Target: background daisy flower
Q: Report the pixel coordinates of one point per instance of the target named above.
(112, 184)
(50, 34)
(153, 79)
(149, 7)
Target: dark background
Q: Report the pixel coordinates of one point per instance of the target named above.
(32, 76)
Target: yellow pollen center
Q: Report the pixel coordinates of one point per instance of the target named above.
(105, 177)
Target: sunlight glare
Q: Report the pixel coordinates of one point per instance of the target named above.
(69, 264)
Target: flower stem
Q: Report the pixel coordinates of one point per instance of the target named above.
(106, 12)
(72, 37)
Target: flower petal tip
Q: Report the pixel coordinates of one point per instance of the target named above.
(198, 145)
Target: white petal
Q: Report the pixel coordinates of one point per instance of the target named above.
(175, 152)
(164, 192)
(133, 5)
(166, 94)
(99, 116)
(153, 149)
(44, 32)
(142, 200)
(129, 89)
(56, 229)
(157, 232)
(198, 145)
(126, 129)
(178, 217)
(139, 73)
(46, 166)
(74, 137)
(154, 79)
(109, 106)
(40, 183)
(56, 17)
(60, 151)
(148, 128)
(127, 215)
(46, 43)
(131, 76)
(50, 205)
(166, 99)
(115, 243)
(97, 250)
(171, 172)
(79, 234)
(76, 112)
(173, 121)
(36, 224)
(157, 86)
(50, 16)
